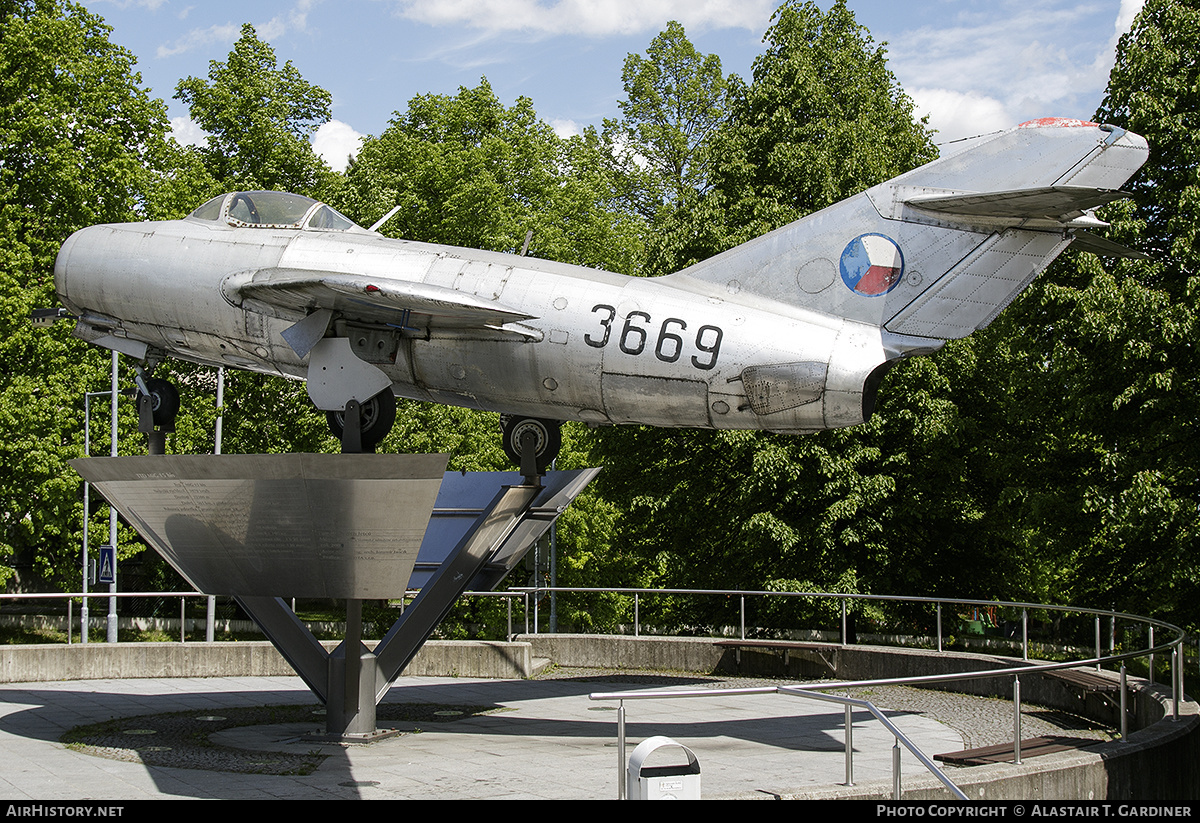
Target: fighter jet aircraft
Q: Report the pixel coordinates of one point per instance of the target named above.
(791, 332)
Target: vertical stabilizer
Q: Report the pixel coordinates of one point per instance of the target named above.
(938, 252)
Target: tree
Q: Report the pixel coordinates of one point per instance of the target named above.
(1154, 90)
(76, 129)
(676, 99)
(1094, 375)
(259, 119)
(81, 142)
(822, 119)
(468, 171)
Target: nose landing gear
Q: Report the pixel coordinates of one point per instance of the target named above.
(158, 405)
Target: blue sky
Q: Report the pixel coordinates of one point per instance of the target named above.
(972, 65)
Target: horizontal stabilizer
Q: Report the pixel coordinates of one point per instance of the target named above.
(1094, 243)
(1061, 203)
(370, 300)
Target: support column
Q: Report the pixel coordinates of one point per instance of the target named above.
(350, 709)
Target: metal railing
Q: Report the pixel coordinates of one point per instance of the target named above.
(210, 617)
(792, 691)
(845, 599)
(1173, 646)
(531, 596)
(814, 691)
(71, 597)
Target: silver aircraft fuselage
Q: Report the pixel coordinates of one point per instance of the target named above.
(597, 347)
(790, 332)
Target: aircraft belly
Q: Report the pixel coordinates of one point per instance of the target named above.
(507, 375)
(655, 401)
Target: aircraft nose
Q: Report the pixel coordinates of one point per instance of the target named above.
(108, 270)
(75, 270)
(61, 267)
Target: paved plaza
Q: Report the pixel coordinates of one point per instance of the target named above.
(543, 739)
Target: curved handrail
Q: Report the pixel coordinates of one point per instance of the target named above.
(1180, 634)
(1174, 644)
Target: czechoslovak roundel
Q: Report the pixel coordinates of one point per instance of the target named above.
(872, 264)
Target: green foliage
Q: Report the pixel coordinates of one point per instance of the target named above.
(259, 119)
(822, 119)
(60, 172)
(1154, 90)
(1090, 378)
(469, 172)
(80, 143)
(676, 100)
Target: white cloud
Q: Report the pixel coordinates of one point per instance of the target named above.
(1129, 10)
(1038, 58)
(336, 142)
(565, 128)
(152, 5)
(958, 114)
(187, 133)
(295, 19)
(1107, 58)
(200, 38)
(590, 17)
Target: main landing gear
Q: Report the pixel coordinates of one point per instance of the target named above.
(362, 426)
(530, 442)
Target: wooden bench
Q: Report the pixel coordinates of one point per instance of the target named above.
(1003, 753)
(1089, 681)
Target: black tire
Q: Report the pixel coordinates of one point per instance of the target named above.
(547, 444)
(377, 414)
(164, 401)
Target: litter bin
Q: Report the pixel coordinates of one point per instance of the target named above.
(642, 782)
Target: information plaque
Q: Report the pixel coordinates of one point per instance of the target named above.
(280, 525)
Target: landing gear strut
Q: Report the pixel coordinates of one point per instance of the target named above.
(374, 420)
(531, 442)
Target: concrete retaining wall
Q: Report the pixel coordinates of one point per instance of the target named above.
(100, 661)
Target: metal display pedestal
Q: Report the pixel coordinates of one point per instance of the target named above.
(352, 526)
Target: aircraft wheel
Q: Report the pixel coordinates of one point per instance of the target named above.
(164, 401)
(548, 438)
(378, 415)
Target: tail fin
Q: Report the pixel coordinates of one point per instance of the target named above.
(938, 252)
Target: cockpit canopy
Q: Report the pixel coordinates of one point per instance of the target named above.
(273, 210)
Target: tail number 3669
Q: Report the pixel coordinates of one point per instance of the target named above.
(668, 345)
